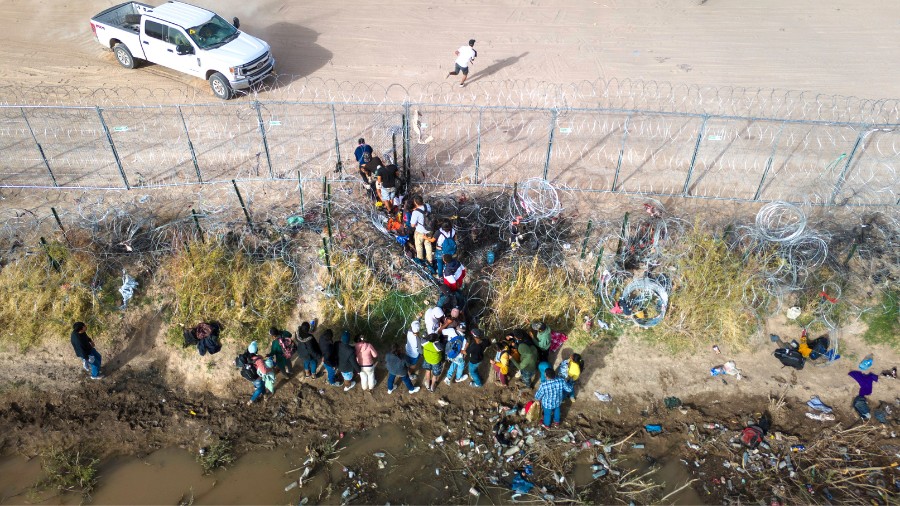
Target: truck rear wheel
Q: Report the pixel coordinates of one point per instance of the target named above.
(220, 86)
(123, 56)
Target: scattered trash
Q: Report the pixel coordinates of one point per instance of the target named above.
(866, 362)
(638, 446)
(603, 397)
(822, 417)
(793, 313)
(716, 349)
(653, 429)
(672, 402)
(127, 289)
(474, 491)
(817, 404)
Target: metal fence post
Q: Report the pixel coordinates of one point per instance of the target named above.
(687, 180)
(190, 145)
(550, 142)
(843, 176)
(407, 160)
(339, 166)
(40, 148)
(621, 154)
(112, 146)
(769, 162)
(243, 206)
(478, 145)
(262, 131)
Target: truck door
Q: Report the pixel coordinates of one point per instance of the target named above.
(161, 42)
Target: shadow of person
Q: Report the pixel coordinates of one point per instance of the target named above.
(140, 343)
(296, 53)
(495, 67)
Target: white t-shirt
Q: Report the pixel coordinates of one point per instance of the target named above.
(413, 345)
(417, 220)
(433, 319)
(466, 53)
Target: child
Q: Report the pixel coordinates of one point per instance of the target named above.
(500, 364)
(570, 370)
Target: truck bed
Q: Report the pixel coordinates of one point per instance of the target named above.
(126, 16)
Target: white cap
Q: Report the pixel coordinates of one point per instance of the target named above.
(414, 326)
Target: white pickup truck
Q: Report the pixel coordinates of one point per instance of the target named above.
(188, 39)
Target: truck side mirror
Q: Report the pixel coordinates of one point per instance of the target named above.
(236, 22)
(183, 49)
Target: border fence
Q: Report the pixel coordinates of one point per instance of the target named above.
(631, 151)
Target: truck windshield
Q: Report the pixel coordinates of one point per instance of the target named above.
(214, 33)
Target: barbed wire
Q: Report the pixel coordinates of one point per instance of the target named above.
(625, 94)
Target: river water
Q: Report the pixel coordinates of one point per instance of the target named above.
(173, 476)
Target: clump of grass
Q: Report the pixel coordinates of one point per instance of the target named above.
(69, 471)
(210, 282)
(358, 301)
(71, 288)
(884, 320)
(532, 291)
(706, 305)
(218, 455)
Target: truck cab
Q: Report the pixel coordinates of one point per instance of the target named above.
(186, 38)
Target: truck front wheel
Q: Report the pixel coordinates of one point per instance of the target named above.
(123, 56)
(220, 86)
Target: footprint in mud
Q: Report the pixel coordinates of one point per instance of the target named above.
(685, 67)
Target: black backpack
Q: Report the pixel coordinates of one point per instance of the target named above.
(790, 358)
(244, 361)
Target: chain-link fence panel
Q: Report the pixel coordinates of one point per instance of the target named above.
(657, 154)
(872, 176)
(380, 125)
(732, 157)
(300, 138)
(227, 141)
(444, 143)
(513, 144)
(22, 164)
(586, 149)
(152, 144)
(807, 162)
(76, 146)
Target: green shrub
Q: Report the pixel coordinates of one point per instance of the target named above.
(884, 320)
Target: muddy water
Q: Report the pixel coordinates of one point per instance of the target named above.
(172, 475)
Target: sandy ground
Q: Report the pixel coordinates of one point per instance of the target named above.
(826, 47)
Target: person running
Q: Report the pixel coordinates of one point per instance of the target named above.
(308, 350)
(329, 356)
(526, 363)
(465, 56)
(424, 251)
(397, 367)
(433, 353)
(347, 363)
(475, 355)
(283, 349)
(365, 357)
(413, 347)
(85, 350)
(551, 394)
(456, 354)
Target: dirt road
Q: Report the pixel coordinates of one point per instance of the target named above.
(825, 47)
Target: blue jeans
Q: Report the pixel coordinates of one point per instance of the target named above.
(260, 389)
(548, 412)
(310, 365)
(406, 381)
(331, 373)
(542, 367)
(570, 395)
(93, 361)
(457, 368)
(527, 377)
(473, 374)
(439, 258)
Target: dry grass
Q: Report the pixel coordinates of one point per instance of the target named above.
(37, 302)
(532, 291)
(706, 306)
(213, 283)
(359, 301)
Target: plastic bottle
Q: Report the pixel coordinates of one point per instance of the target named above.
(798, 448)
(717, 370)
(866, 362)
(490, 257)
